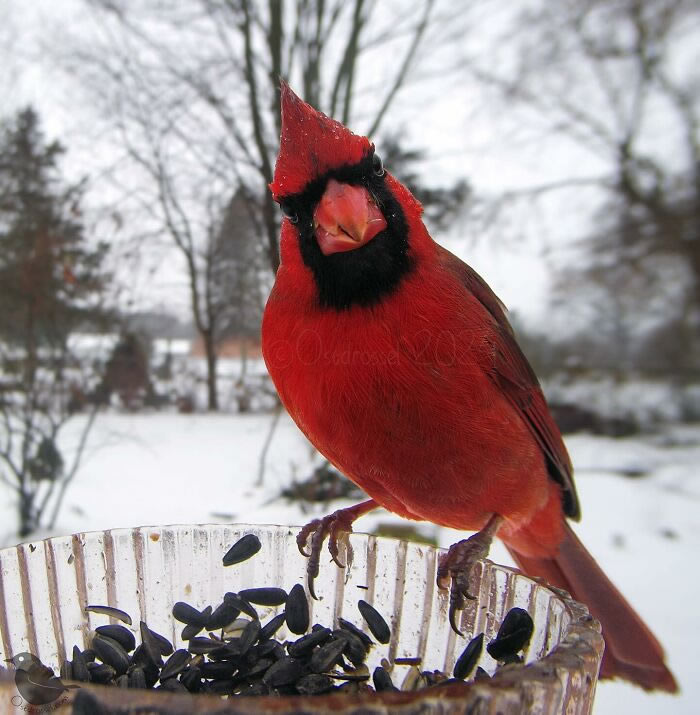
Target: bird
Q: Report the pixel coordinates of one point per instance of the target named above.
(398, 363)
(36, 682)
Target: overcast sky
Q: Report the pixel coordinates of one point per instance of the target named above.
(447, 118)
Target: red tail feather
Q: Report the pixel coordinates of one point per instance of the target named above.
(631, 650)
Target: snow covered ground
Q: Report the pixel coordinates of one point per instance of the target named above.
(149, 469)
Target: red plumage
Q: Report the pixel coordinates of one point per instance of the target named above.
(422, 396)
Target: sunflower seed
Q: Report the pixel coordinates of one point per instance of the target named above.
(382, 680)
(222, 615)
(111, 612)
(237, 601)
(271, 627)
(264, 596)
(218, 670)
(513, 635)
(175, 664)
(192, 679)
(203, 645)
(307, 643)
(80, 671)
(101, 673)
(250, 634)
(284, 672)
(243, 549)
(327, 656)
(165, 646)
(297, 610)
(111, 653)
(359, 633)
(150, 647)
(122, 635)
(172, 685)
(188, 615)
(222, 687)
(122, 681)
(314, 684)
(137, 677)
(354, 648)
(375, 621)
(190, 631)
(481, 674)
(469, 657)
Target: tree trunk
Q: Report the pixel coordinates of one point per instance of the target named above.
(210, 354)
(26, 519)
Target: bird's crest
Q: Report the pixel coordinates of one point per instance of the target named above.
(311, 144)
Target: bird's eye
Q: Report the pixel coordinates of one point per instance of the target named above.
(289, 212)
(377, 165)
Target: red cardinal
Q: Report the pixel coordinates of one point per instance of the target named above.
(397, 361)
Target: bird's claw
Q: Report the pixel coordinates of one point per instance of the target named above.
(337, 527)
(455, 567)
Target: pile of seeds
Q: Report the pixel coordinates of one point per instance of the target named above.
(241, 656)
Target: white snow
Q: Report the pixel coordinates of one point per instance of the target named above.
(146, 469)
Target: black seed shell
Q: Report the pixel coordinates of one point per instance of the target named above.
(222, 615)
(314, 684)
(111, 653)
(284, 672)
(80, 671)
(175, 664)
(469, 657)
(172, 685)
(375, 621)
(358, 632)
(297, 610)
(355, 649)
(192, 679)
(513, 635)
(271, 627)
(137, 678)
(111, 612)
(250, 635)
(190, 631)
(101, 673)
(188, 615)
(481, 674)
(264, 596)
(243, 549)
(217, 670)
(164, 645)
(237, 601)
(327, 656)
(150, 647)
(122, 635)
(307, 643)
(382, 680)
(203, 645)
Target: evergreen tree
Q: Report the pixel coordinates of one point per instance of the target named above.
(51, 282)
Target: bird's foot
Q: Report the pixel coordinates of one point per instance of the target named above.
(337, 527)
(455, 567)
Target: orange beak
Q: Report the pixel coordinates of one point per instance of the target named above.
(346, 218)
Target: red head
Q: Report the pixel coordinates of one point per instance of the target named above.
(348, 221)
(311, 145)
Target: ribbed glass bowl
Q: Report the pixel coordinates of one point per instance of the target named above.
(45, 586)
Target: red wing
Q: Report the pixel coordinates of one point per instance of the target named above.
(512, 373)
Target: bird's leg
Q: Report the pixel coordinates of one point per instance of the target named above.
(336, 526)
(456, 565)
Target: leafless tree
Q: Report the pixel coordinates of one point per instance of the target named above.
(191, 90)
(619, 82)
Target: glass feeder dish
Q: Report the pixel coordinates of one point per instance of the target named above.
(46, 585)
